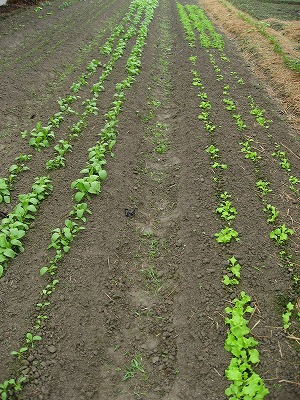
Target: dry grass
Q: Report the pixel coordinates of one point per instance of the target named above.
(282, 83)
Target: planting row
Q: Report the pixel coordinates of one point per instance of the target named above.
(246, 382)
(90, 184)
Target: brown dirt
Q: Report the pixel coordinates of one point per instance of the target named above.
(106, 309)
(282, 82)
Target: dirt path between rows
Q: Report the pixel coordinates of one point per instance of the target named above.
(138, 312)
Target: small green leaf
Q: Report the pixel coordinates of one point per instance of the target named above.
(43, 270)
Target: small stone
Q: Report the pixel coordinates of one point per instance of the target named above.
(155, 359)
(51, 349)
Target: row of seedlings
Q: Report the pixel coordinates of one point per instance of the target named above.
(65, 146)
(41, 136)
(246, 383)
(62, 238)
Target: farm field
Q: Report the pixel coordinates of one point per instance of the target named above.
(149, 210)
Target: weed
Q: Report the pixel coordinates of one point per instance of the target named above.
(134, 367)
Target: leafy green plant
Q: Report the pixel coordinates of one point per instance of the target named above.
(217, 165)
(294, 181)
(213, 151)
(263, 186)
(4, 191)
(226, 235)
(79, 210)
(31, 339)
(281, 234)
(234, 269)
(250, 154)
(287, 315)
(62, 238)
(239, 122)
(226, 209)
(230, 106)
(284, 163)
(246, 383)
(11, 385)
(273, 213)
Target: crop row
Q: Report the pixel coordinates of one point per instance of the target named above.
(94, 174)
(64, 146)
(246, 383)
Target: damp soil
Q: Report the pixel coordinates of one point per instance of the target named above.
(143, 282)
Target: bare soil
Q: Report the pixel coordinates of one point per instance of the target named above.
(108, 308)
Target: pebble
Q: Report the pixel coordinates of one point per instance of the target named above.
(155, 359)
(51, 349)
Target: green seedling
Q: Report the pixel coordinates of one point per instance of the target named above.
(259, 114)
(56, 119)
(226, 210)
(226, 89)
(287, 315)
(20, 353)
(31, 339)
(217, 165)
(11, 385)
(284, 163)
(85, 186)
(273, 213)
(49, 289)
(205, 105)
(294, 181)
(39, 320)
(210, 127)
(230, 106)
(235, 271)
(162, 147)
(134, 367)
(263, 186)
(79, 210)
(281, 234)
(250, 154)
(213, 151)
(193, 60)
(204, 116)
(239, 122)
(226, 235)
(4, 191)
(62, 238)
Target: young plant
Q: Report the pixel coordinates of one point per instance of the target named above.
(263, 186)
(287, 315)
(281, 234)
(226, 235)
(235, 272)
(225, 209)
(134, 367)
(273, 213)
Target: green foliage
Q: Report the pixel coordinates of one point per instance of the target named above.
(226, 235)
(273, 213)
(287, 315)
(134, 367)
(247, 149)
(281, 234)
(226, 209)
(246, 383)
(234, 269)
(263, 186)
